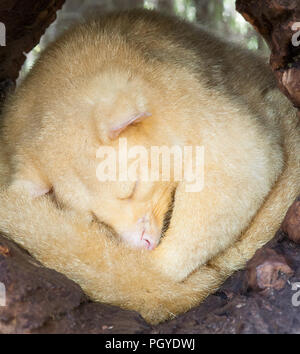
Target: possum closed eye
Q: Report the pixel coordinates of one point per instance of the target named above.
(156, 82)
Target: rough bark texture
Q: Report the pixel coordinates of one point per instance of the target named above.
(276, 21)
(25, 22)
(256, 300)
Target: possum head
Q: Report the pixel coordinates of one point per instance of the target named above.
(135, 208)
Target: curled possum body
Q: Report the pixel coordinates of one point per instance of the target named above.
(153, 80)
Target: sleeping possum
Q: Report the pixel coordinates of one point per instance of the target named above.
(153, 80)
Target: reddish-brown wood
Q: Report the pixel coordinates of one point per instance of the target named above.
(25, 22)
(276, 21)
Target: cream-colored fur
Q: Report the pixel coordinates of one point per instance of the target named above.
(199, 91)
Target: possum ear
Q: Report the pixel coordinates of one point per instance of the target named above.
(115, 130)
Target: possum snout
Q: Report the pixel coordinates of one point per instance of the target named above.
(140, 239)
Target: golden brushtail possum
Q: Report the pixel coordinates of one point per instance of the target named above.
(155, 81)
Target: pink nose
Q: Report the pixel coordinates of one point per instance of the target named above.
(148, 242)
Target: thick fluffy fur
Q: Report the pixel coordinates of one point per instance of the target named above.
(200, 91)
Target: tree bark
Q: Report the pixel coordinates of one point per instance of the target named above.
(25, 22)
(276, 21)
